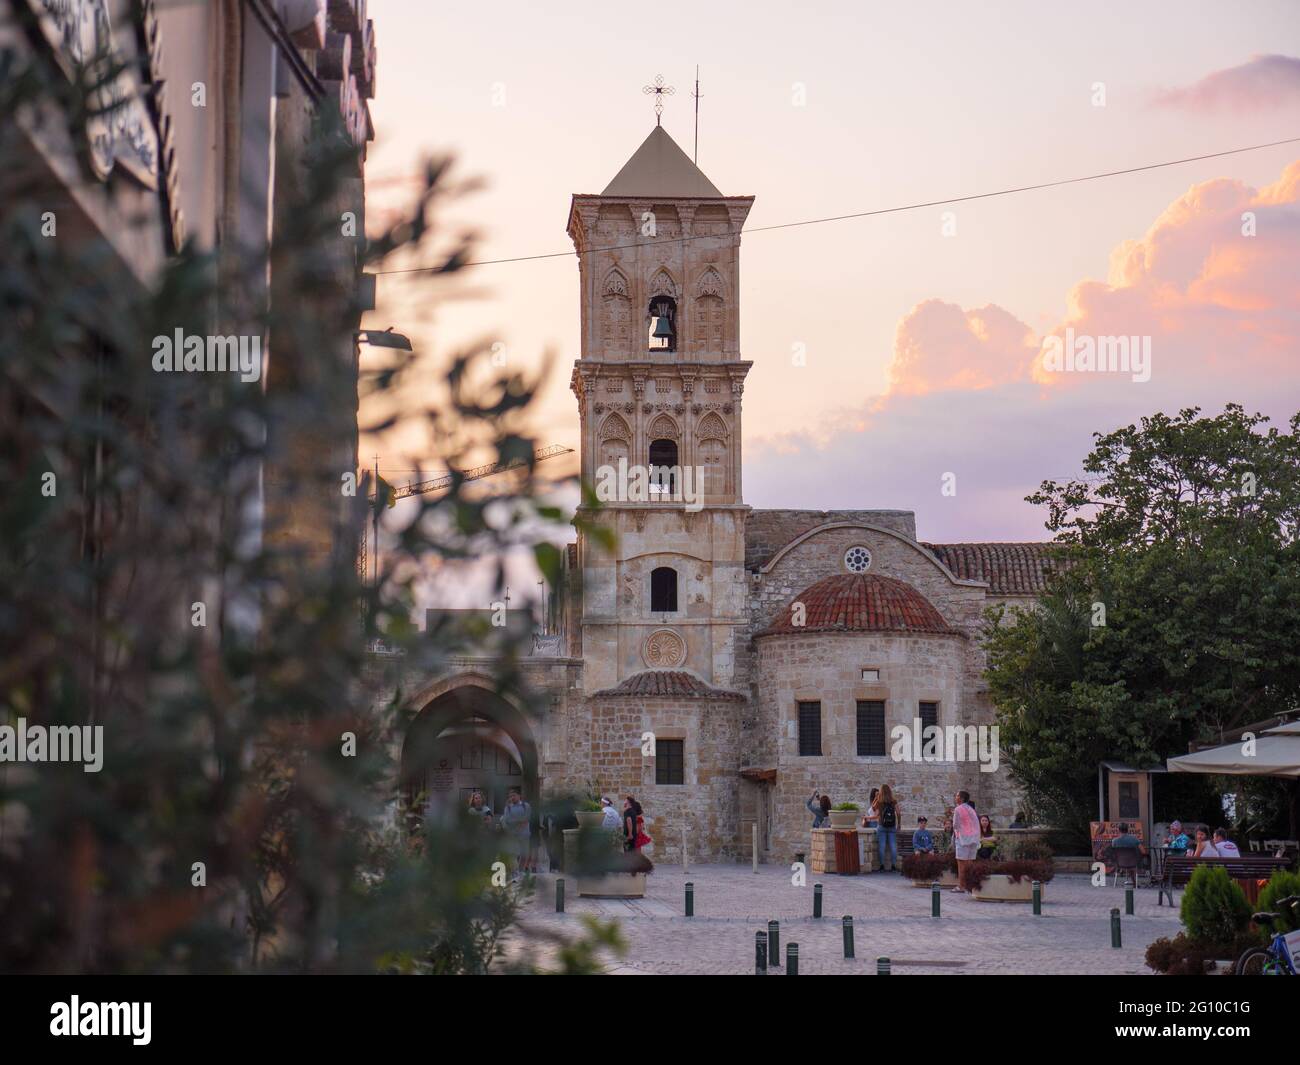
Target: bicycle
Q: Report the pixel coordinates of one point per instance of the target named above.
(1282, 956)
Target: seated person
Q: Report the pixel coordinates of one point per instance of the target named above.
(988, 841)
(1178, 843)
(1225, 846)
(1126, 839)
(1205, 848)
(922, 841)
(945, 840)
(1019, 821)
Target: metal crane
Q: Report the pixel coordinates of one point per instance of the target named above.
(438, 483)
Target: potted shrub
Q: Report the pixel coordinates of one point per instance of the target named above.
(845, 815)
(589, 813)
(925, 869)
(991, 881)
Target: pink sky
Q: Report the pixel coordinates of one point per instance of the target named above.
(921, 348)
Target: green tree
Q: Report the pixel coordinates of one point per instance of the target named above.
(1172, 616)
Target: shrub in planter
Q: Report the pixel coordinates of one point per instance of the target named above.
(1030, 849)
(1281, 884)
(1214, 908)
(927, 867)
(847, 806)
(1183, 956)
(977, 872)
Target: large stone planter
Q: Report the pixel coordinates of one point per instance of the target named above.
(842, 820)
(998, 887)
(612, 886)
(589, 818)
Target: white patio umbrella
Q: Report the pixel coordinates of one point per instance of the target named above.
(1276, 754)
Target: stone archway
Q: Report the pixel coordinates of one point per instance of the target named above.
(465, 736)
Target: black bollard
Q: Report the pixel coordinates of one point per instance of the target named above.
(882, 966)
(848, 936)
(760, 953)
(559, 894)
(1128, 901)
(817, 900)
(1114, 928)
(690, 899)
(774, 943)
(1038, 899)
(936, 893)
(792, 959)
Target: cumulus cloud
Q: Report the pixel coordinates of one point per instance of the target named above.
(1214, 283)
(1264, 82)
(941, 346)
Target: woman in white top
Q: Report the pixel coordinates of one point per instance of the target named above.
(1204, 847)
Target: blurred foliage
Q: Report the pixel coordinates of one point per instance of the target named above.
(1185, 533)
(223, 743)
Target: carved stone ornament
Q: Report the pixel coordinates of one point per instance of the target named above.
(664, 649)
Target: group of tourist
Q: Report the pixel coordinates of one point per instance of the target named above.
(1177, 842)
(515, 825)
(970, 834)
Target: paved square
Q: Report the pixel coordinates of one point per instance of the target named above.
(890, 917)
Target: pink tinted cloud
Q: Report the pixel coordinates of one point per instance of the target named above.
(968, 396)
(1214, 283)
(940, 346)
(1264, 82)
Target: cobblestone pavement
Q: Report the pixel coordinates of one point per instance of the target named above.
(890, 917)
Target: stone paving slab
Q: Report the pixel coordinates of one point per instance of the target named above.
(890, 916)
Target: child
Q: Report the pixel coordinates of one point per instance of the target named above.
(922, 841)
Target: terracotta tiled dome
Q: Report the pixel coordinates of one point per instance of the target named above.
(860, 602)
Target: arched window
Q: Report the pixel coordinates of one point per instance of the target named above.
(662, 329)
(663, 466)
(663, 590)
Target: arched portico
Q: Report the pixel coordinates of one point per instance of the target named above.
(466, 736)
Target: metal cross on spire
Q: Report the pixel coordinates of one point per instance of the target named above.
(660, 90)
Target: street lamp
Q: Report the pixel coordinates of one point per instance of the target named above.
(384, 339)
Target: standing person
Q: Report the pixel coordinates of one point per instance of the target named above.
(965, 834)
(871, 818)
(516, 822)
(634, 837)
(819, 806)
(988, 841)
(476, 804)
(922, 841)
(887, 812)
(609, 814)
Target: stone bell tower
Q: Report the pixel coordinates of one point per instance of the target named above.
(659, 386)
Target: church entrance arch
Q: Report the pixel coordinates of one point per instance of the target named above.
(465, 738)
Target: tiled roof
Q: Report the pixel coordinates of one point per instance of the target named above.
(660, 168)
(1009, 569)
(669, 683)
(860, 602)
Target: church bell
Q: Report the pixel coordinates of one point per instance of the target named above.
(662, 330)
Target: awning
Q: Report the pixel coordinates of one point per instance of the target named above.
(1276, 754)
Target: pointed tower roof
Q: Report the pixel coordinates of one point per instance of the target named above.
(660, 168)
